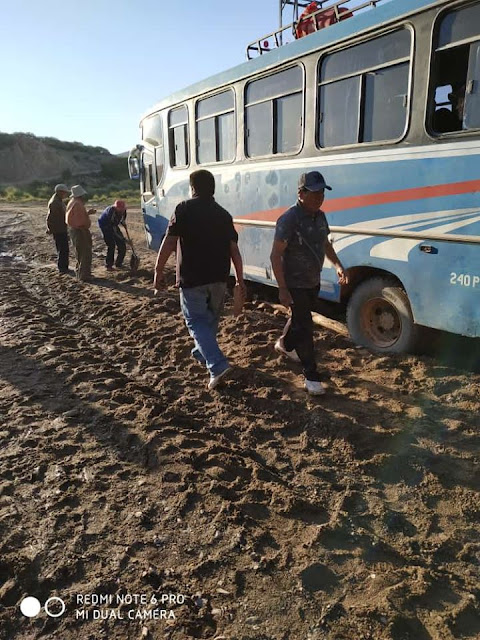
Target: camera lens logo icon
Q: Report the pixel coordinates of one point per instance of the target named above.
(30, 607)
(54, 607)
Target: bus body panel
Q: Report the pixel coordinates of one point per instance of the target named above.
(403, 194)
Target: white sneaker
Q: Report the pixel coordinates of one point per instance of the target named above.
(214, 380)
(281, 349)
(314, 387)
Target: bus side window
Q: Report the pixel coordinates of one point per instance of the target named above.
(274, 113)
(159, 168)
(455, 92)
(178, 137)
(152, 130)
(363, 92)
(215, 134)
(152, 133)
(147, 181)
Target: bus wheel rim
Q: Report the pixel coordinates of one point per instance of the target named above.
(381, 322)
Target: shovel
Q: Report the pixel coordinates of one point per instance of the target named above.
(134, 259)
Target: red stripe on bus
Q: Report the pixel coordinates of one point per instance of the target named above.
(355, 202)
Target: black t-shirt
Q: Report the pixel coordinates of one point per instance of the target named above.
(205, 230)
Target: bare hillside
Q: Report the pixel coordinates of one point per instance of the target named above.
(25, 158)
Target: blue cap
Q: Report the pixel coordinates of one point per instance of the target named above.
(313, 181)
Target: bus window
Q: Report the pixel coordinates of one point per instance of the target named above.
(216, 128)
(178, 137)
(363, 92)
(456, 66)
(147, 177)
(152, 133)
(471, 116)
(159, 168)
(152, 130)
(274, 113)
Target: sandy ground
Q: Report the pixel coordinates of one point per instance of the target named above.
(257, 512)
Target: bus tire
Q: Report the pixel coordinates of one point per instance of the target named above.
(380, 318)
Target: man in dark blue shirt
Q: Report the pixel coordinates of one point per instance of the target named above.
(109, 222)
(203, 234)
(299, 249)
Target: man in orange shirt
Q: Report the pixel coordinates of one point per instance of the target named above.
(78, 220)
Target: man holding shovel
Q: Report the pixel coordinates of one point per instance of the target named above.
(109, 223)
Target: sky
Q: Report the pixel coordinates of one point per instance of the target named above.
(87, 70)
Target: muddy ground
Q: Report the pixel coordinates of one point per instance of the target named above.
(277, 516)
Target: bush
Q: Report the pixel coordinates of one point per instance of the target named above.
(14, 194)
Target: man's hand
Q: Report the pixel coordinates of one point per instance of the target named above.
(342, 276)
(158, 283)
(243, 288)
(285, 297)
(91, 212)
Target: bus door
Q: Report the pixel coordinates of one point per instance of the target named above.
(148, 188)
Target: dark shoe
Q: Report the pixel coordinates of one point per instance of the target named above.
(109, 268)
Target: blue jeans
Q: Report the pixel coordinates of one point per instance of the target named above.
(201, 308)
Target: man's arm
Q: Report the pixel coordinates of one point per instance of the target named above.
(276, 258)
(332, 256)
(55, 214)
(168, 246)
(48, 221)
(238, 265)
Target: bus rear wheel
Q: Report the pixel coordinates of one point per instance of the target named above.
(379, 317)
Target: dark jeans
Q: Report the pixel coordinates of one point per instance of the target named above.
(112, 240)
(61, 242)
(300, 334)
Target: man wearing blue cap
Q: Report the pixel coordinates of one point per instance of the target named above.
(299, 249)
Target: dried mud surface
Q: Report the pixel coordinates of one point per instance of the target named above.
(279, 517)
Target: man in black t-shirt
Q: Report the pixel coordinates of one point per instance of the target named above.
(203, 234)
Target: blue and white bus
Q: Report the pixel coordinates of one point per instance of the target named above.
(385, 102)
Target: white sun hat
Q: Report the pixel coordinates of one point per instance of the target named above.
(77, 191)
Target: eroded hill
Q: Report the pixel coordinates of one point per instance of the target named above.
(25, 158)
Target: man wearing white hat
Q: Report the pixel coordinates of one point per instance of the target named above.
(57, 227)
(78, 220)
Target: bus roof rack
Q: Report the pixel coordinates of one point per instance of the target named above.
(328, 12)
